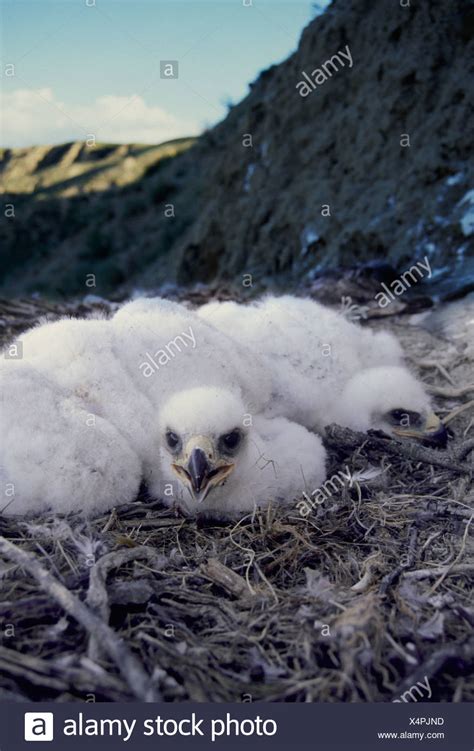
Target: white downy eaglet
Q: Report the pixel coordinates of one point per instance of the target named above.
(83, 426)
(327, 369)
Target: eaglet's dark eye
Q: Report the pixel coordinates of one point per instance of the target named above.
(230, 441)
(172, 439)
(397, 415)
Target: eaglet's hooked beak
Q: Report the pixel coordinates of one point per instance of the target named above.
(200, 470)
(432, 432)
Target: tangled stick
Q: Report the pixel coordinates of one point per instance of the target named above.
(349, 440)
(456, 560)
(97, 598)
(458, 411)
(453, 393)
(131, 669)
(465, 449)
(436, 662)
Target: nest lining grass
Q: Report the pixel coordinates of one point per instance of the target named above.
(359, 601)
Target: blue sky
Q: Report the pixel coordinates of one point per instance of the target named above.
(93, 66)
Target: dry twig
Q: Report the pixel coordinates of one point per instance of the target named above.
(131, 670)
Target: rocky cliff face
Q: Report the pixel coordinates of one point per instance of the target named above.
(371, 163)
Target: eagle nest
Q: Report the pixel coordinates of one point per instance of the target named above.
(363, 599)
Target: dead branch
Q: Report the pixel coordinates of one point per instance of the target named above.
(430, 573)
(456, 560)
(97, 598)
(393, 576)
(445, 393)
(130, 668)
(464, 449)
(462, 653)
(224, 577)
(344, 438)
(458, 411)
(55, 676)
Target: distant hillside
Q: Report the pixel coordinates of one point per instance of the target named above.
(374, 163)
(81, 211)
(74, 168)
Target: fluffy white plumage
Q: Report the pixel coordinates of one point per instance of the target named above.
(55, 453)
(212, 410)
(325, 368)
(275, 459)
(83, 417)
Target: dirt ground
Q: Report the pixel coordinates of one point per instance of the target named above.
(363, 600)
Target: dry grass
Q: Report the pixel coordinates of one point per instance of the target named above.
(350, 604)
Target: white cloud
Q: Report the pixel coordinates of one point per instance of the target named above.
(38, 117)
